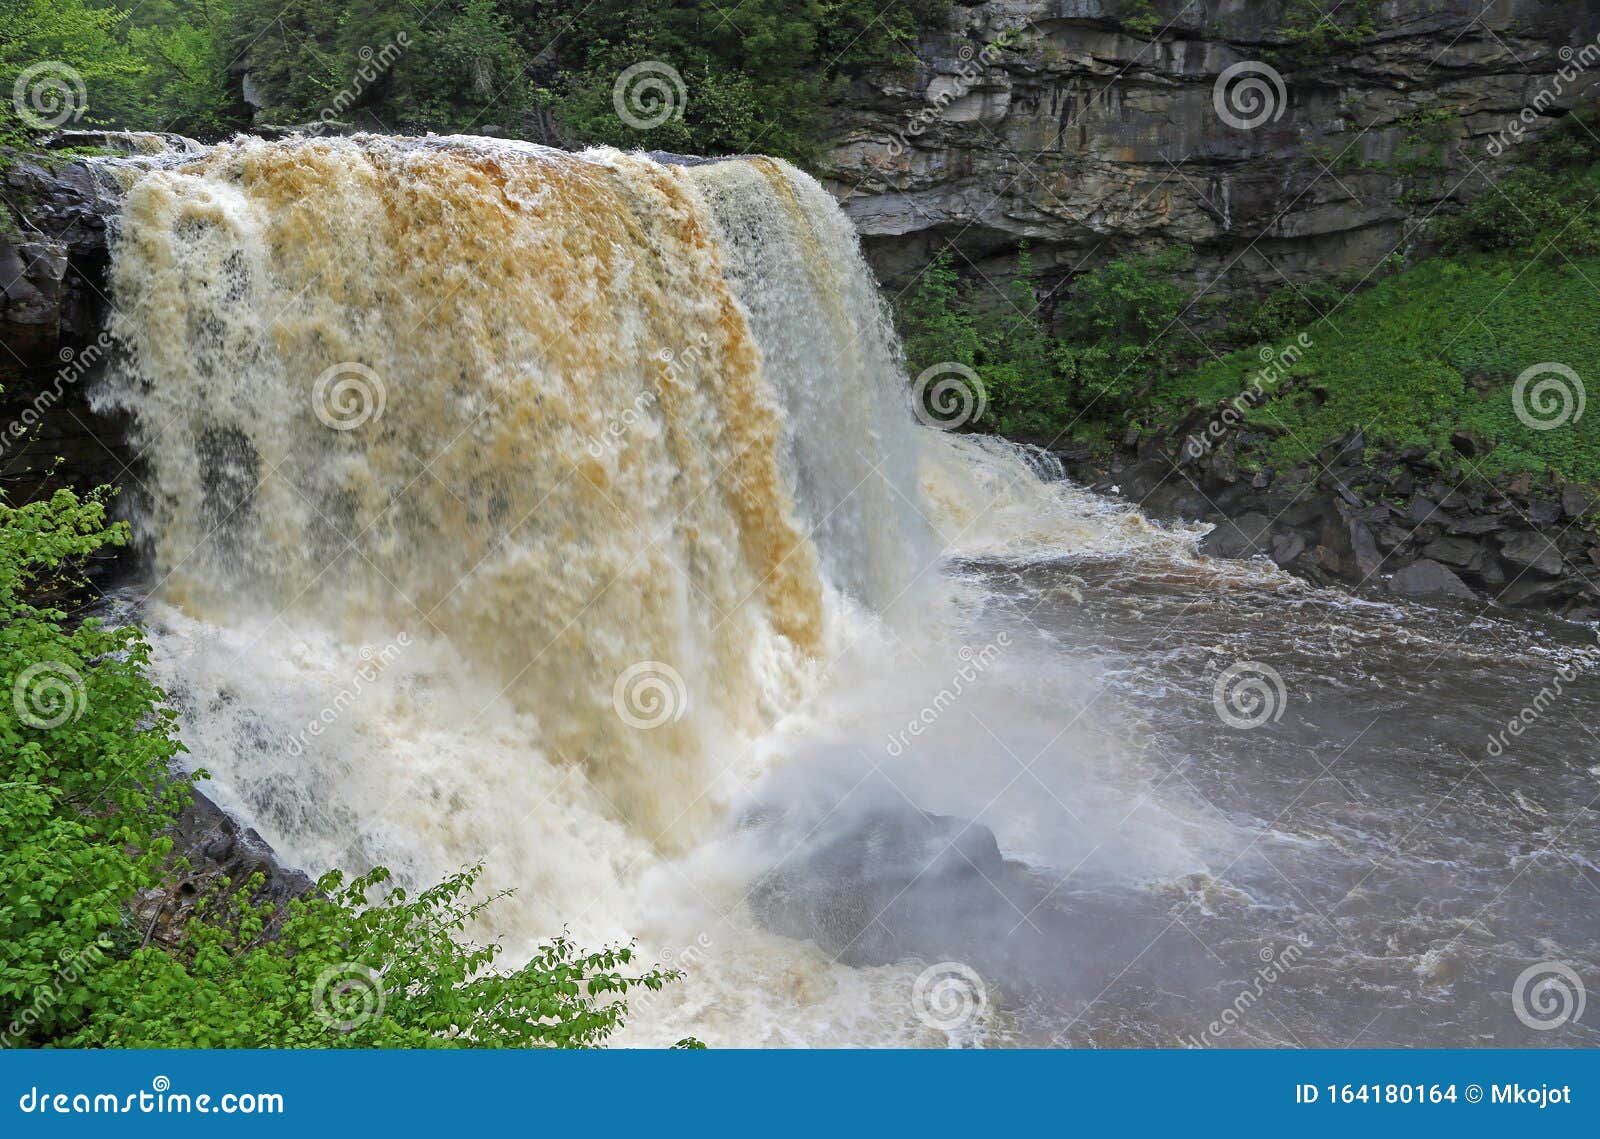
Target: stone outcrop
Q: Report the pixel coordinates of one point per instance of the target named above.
(221, 861)
(53, 262)
(1090, 128)
(1374, 518)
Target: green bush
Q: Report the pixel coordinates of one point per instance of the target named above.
(1114, 333)
(762, 75)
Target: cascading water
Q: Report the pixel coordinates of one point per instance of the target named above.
(564, 512)
(560, 511)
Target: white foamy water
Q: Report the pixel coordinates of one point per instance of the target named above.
(557, 511)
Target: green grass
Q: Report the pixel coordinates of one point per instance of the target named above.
(1426, 353)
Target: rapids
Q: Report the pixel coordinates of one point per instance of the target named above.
(567, 513)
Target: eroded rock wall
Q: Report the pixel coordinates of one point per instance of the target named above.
(1056, 123)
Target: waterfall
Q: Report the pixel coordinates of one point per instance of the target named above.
(513, 505)
(508, 396)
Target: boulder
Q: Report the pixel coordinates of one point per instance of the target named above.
(1240, 537)
(1531, 551)
(1427, 578)
(1453, 551)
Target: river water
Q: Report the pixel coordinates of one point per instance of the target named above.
(565, 513)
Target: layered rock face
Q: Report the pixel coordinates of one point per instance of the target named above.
(1054, 122)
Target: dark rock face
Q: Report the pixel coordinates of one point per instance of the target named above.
(1424, 578)
(1087, 139)
(1372, 514)
(53, 262)
(223, 858)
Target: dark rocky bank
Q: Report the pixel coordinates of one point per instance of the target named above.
(1372, 518)
(223, 862)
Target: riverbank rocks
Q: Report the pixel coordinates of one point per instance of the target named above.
(1370, 517)
(1425, 578)
(218, 859)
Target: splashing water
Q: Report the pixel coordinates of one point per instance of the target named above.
(561, 510)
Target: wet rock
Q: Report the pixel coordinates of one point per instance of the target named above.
(1453, 551)
(1423, 510)
(216, 859)
(1287, 547)
(1475, 524)
(1347, 548)
(1238, 537)
(1533, 552)
(891, 882)
(1529, 593)
(1542, 513)
(1427, 578)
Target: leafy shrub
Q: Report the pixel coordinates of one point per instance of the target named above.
(1114, 332)
(1546, 198)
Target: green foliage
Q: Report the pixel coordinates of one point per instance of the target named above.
(1139, 17)
(1547, 196)
(79, 41)
(1424, 354)
(85, 743)
(1313, 31)
(352, 970)
(936, 324)
(1114, 333)
(86, 790)
(761, 76)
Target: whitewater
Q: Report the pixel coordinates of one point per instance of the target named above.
(567, 513)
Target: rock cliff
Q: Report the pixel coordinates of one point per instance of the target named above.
(1281, 144)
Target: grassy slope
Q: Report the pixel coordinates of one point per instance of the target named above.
(1434, 350)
